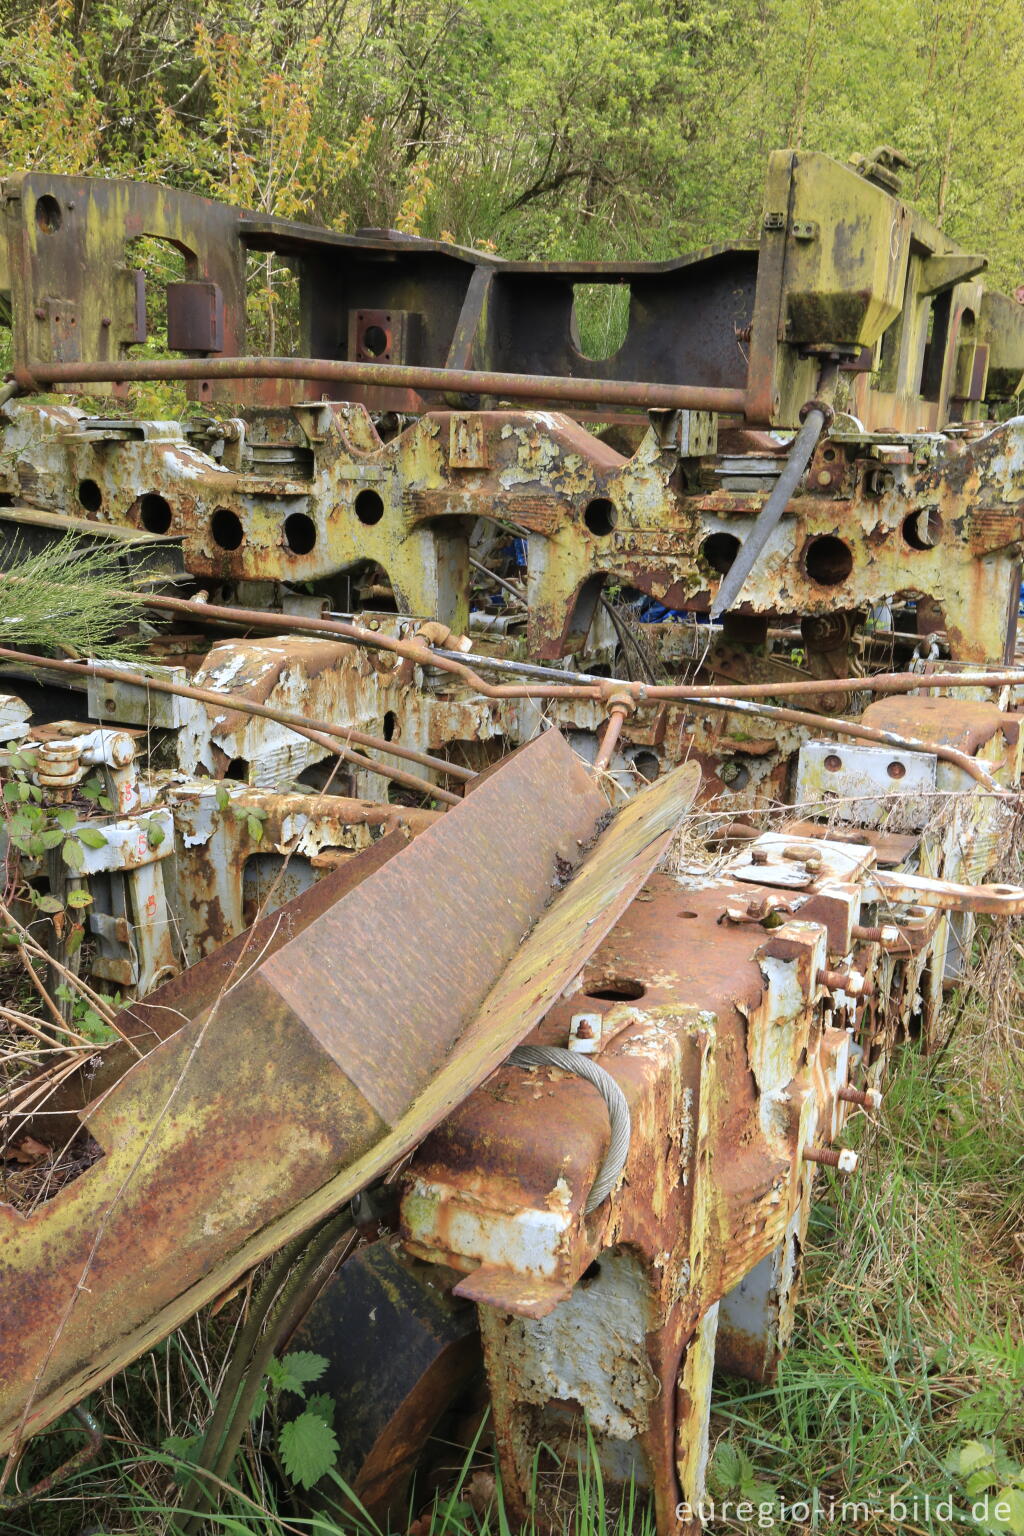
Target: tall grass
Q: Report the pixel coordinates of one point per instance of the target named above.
(910, 1341)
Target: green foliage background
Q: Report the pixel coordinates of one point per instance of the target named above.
(548, 128)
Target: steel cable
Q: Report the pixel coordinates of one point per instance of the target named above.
(608, 1088)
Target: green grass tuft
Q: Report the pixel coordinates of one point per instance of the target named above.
(67, 596)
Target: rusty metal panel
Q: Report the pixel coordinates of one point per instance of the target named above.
(195, 317)
(280, 1094)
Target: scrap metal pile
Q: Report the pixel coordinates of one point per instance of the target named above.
(660, 709)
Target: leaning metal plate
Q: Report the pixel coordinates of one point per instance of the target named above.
(316, 1069)
(868, 786)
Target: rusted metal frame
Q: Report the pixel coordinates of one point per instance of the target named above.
(546, 789)
(321, 731)
(36, 378)
(350, 733)
(460, 350)
(854, 728)
(710, 697)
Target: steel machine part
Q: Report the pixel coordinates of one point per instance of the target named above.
(396, 852)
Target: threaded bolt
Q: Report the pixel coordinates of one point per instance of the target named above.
(867, 1098)
(853, 982)
(832, 1157)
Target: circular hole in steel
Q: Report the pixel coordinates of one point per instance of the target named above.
(833, 762)
(829, 455)
(154, 513)
(599, 516)
(922, 530)
(897, 770)
(646, 765)
(369, 508)
(720, 550)
(299, 533)
(734, 774)
(89, 495)
(226, 528)
(828, 560)
(376, 340)
(390, 725)
(48, 214)
(617, 989)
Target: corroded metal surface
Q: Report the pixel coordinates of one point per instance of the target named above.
(839, 260)
(745, 1007)
(332, 1062)
(734, 1009)
(292, 489)
(280, 1082)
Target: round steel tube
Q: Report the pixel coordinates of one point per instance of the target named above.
(610, 739)
(323, 370)
(563, 685)
(739, 700)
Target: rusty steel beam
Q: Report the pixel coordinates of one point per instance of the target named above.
(37, 376)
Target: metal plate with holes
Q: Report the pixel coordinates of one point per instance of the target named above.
(868, 786)
(777, 860)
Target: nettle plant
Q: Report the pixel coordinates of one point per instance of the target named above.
(305, 1443)
(253, 816)
(36, 830)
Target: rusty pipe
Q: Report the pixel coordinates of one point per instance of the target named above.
(881, 682)
(609, 741)
(571, 685)
(245, 618)
(36, 376)
(321, 731)
(737, 700)
(576, 685)
(802, 447)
